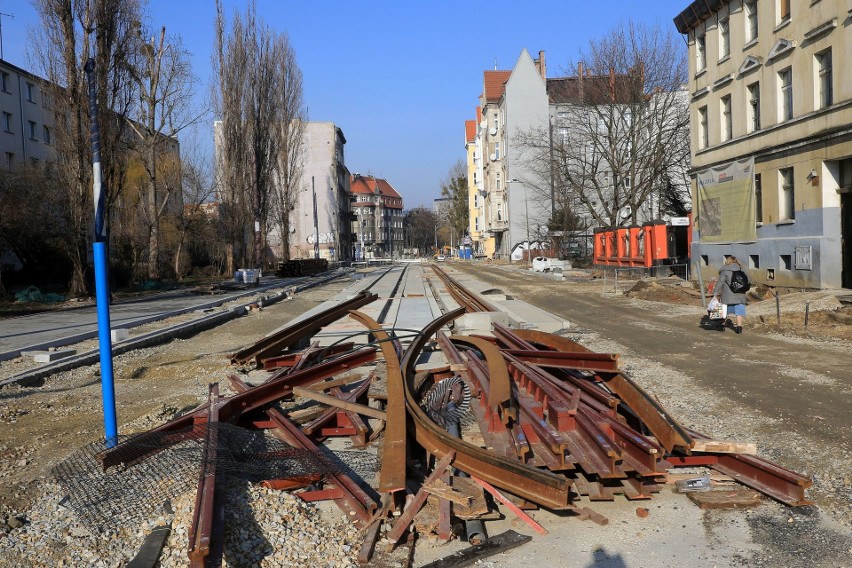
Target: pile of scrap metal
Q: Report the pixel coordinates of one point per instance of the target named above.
(554, 421)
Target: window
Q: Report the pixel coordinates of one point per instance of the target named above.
(703, 139)
(496, 122)
(45, 130)
(31, 92)
(785, 84)
(10, 160)
(700, 53)
(753, 109)
(823, 67)
(727, 122)
(786, 195)
(563, 135)
(498, 180)
(4, 82)
(724, 38)
(758, 200)
(783, 10)
(496, 150)
(751, 20)
(32, 130)
(7, 121)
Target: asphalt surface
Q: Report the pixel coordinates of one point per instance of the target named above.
(64, 327)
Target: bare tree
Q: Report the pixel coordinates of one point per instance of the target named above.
(164, 86)
(194, 218)
(421, 226)
(71, 32)
(454, 188)
(291, 149)
(620, 136)
(31, 224)
(258, 84)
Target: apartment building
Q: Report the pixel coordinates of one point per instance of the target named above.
(377, 211)
(536, 136)
(771, 117)
(509, 210)
(482, 241)
(320, 220)
(26, 118)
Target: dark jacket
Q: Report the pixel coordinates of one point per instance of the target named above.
(723, 286)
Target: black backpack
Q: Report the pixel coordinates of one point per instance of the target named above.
(739, 282)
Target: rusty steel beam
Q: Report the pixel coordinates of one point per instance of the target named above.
(157, 439)
(762, 475)
(201, 529)
(665, 428)
(354, 500)
(500, 387)
(272, 345)
(533, 484)
(560, 409)
(598, 362)
(329, 413)
(394, 458)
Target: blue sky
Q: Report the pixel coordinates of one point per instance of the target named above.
(399, 77)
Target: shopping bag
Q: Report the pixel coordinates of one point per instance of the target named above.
(717, 310)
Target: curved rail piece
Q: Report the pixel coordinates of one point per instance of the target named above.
(273, 344)
(665, 428)
(392, 476)
(500, 387)
(542, 487)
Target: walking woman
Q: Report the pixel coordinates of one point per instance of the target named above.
(736, 302)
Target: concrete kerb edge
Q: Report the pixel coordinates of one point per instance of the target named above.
(183, 330)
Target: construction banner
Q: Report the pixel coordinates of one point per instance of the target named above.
(726, 203)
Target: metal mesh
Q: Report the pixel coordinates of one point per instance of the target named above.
(170, 466)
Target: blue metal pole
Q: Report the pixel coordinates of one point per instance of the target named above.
(101, 269)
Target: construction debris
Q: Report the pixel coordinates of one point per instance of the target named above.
(534, 419)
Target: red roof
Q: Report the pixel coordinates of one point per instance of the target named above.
(495, 84)
(367, 185)
(469, 130)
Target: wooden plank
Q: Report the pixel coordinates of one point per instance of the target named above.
(727, 499)
(325, 385)
(723, 447)
(365, 553)
(337, 403)
(440, 489)
(414, 506)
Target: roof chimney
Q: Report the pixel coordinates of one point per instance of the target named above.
(580, 80)
(542, 66)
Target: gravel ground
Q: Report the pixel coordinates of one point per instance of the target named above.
(40, 426)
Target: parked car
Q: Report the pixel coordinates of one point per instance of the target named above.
(440, 258)
(546, 264)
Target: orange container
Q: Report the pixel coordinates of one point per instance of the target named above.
(600, 246)
(622, 243)
(636, 240)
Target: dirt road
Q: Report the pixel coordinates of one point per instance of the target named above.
(789, 394)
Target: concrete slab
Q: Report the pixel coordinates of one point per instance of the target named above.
(119, 334)
(49, 356)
